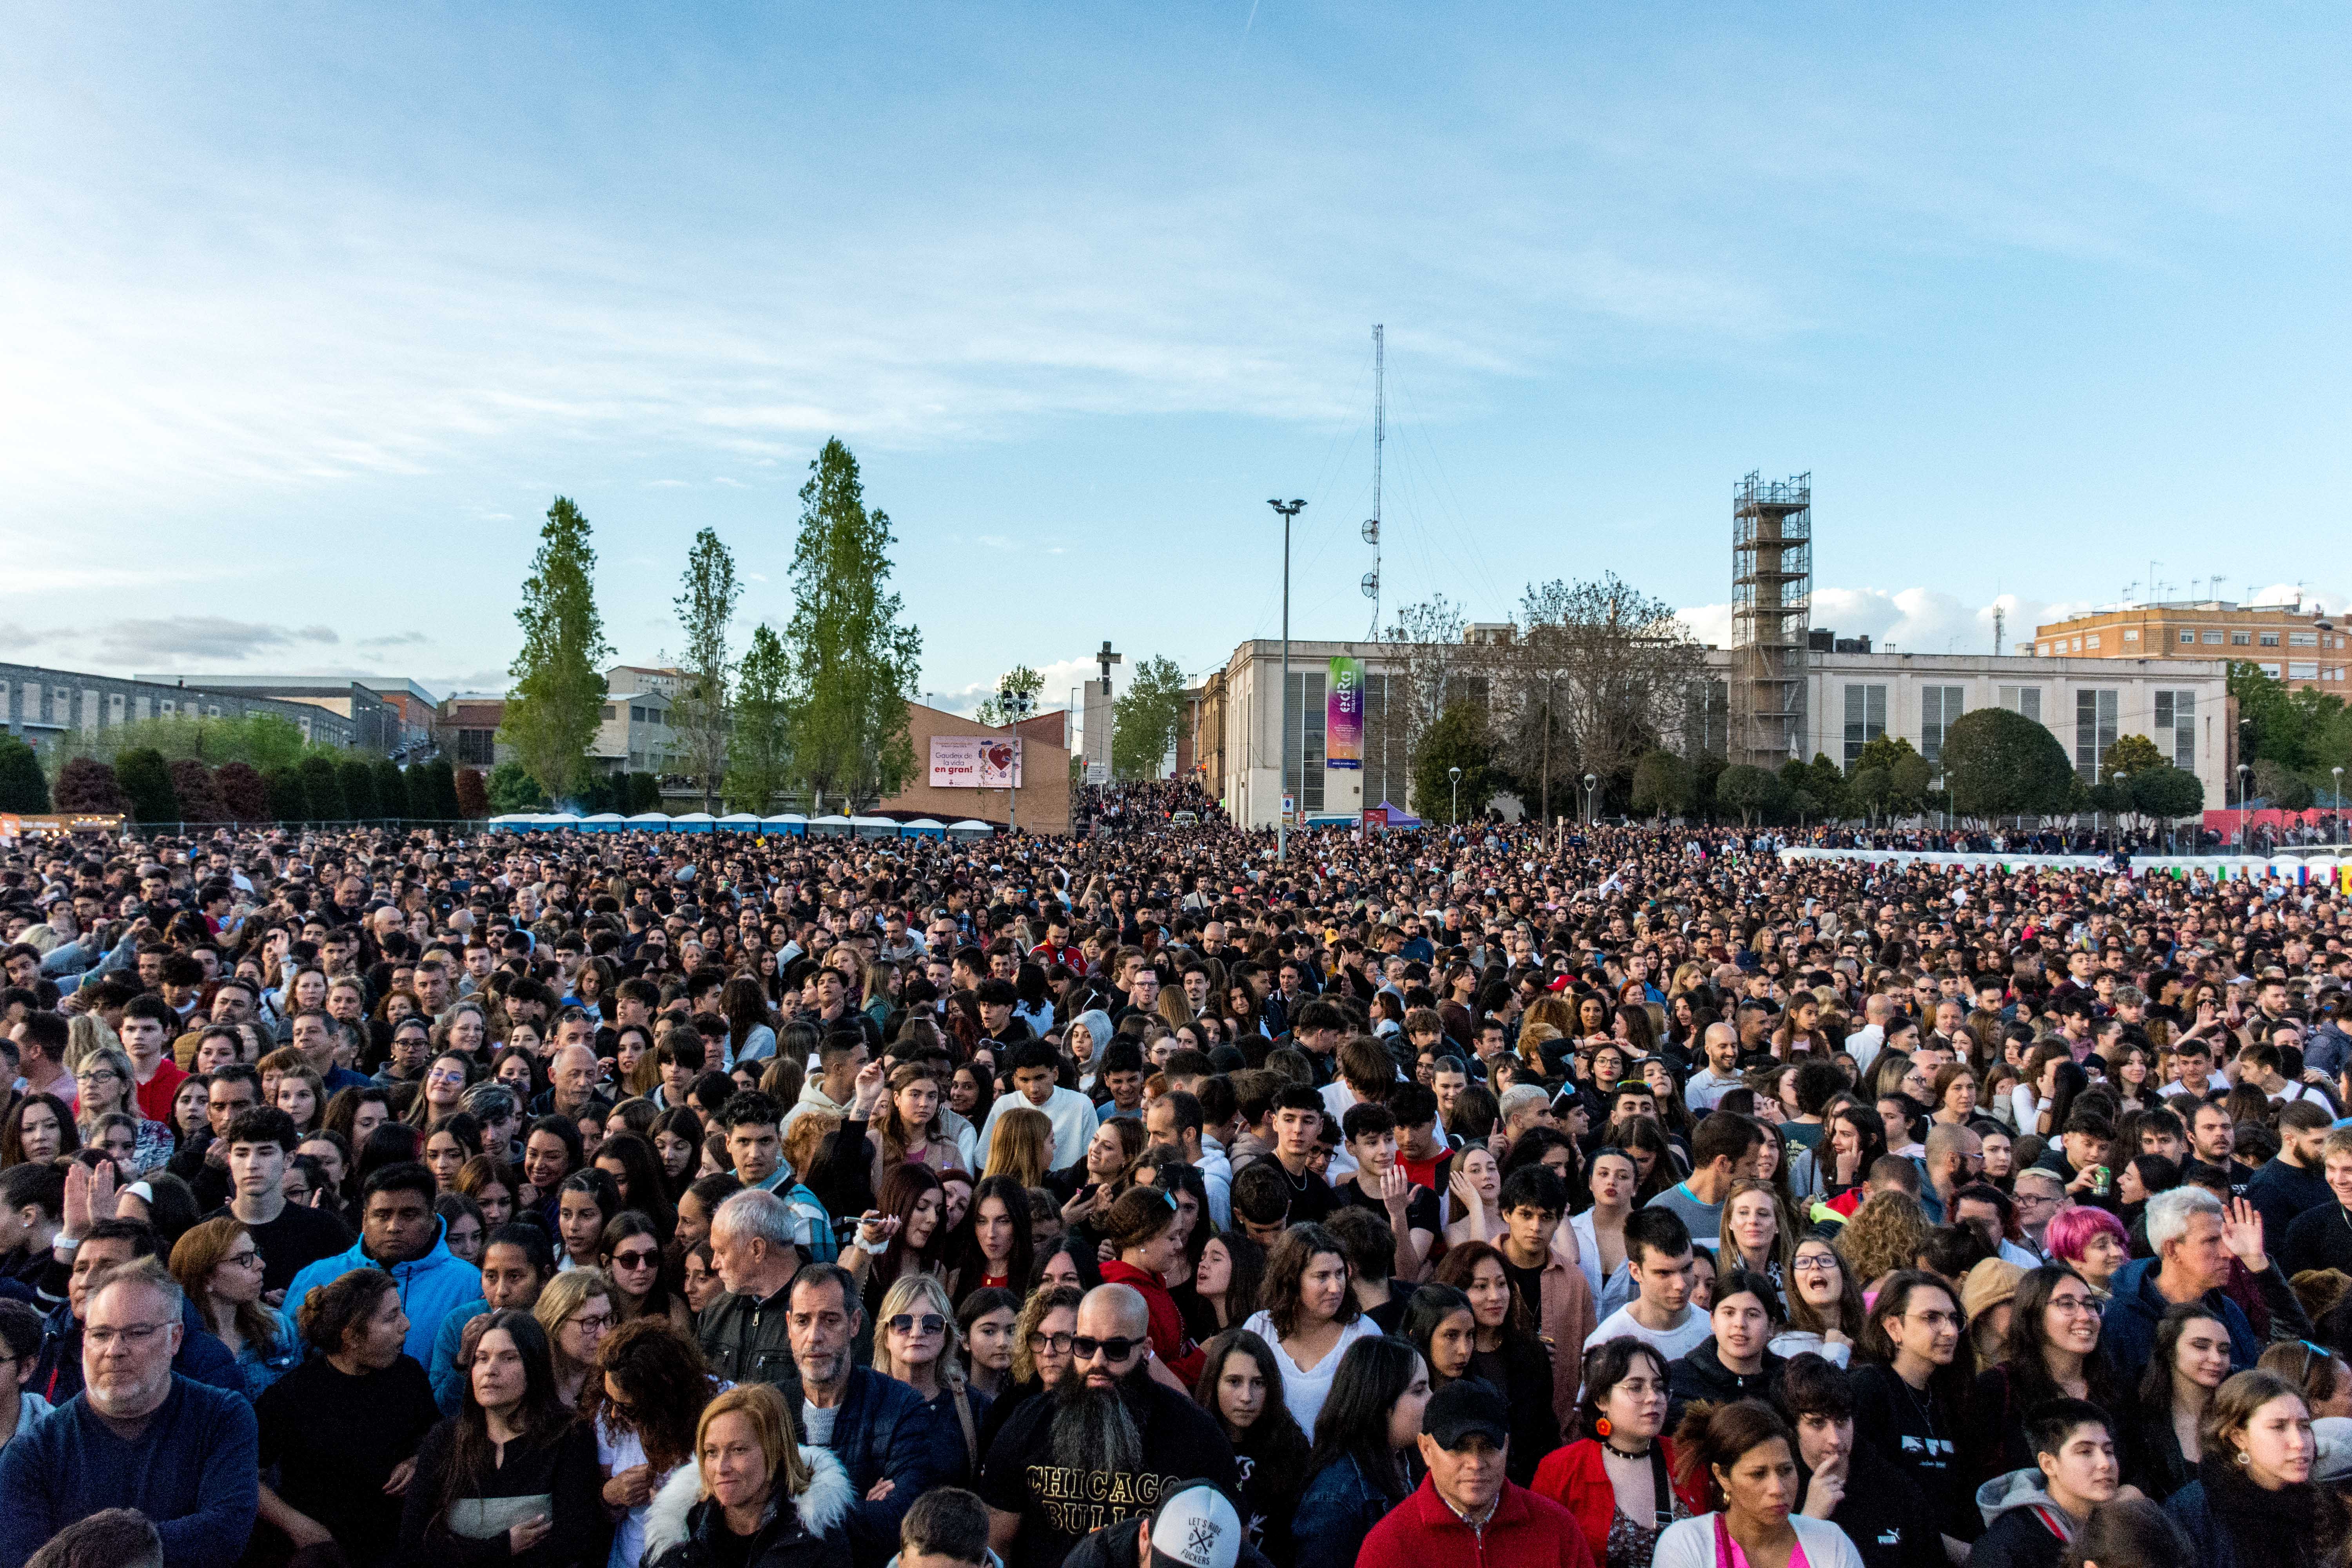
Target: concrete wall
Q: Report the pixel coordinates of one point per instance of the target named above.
(1044, 806)
(40, 706)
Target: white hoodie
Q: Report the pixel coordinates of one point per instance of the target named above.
(822, 1507)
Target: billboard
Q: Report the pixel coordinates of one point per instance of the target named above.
(1343, 715)
(975, 762)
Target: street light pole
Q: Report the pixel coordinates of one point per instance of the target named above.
(1289, 510)
(2338, 835)
(2245, 814)
(1591, 799)
(1455, 775)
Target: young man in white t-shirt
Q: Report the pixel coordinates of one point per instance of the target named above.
(1658, 1251)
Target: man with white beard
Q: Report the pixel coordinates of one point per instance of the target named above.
(138, 1436)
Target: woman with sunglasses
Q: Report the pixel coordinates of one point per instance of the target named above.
(630, 1255)
(914, 1343)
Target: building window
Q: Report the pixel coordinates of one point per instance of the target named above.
(2074, 644)
(2214, 638)
(1938, 706)
(2094, 729)
(2024, 699)
(2270, 639)
(476, 746)
(2241, 640)
(1865, 719)
(2303, 671)
(2091, 641)
(2187, 636)
(1303, 702)
(2303, 639)
(2272, 671)
(2131, 634)
(2176, 712)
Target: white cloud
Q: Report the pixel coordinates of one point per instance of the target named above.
(1909, 620)
(204, 638)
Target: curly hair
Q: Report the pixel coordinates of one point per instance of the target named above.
(1887, 1233)
(1040, 1306)
(664, 1382)
(330, 1313)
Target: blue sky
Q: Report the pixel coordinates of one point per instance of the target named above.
(306, 312)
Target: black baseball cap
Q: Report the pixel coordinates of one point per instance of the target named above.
(1465, 1407)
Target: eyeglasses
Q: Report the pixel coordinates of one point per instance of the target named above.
(909, 1322)
(596, 1323)
(646, 1259)
(1058, 1343)
(1086, 1347)
(131, 1337)
(249, 1258)
(1816, 1263)
(100, 1076)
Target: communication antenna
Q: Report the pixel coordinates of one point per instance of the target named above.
(1371, 582)
(1999, 620)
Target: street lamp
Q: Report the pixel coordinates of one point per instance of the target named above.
(1017, 705)
(2123, 805)
(1592, 798)
(2245, 815)
(1289, 510)
(1455, 775)
(2339, 834)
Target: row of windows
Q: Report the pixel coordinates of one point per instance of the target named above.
(2192, 637)
(25, 705)
(2097, 720)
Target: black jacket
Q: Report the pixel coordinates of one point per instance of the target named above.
(1701, 1375)
(811, 1532)
(1884, 1513)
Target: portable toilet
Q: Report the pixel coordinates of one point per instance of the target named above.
(787, 824)
(738, 822)
(833, 827)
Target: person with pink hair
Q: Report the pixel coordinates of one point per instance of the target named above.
(2093, 1241)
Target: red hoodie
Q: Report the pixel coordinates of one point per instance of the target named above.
(1169, 1342)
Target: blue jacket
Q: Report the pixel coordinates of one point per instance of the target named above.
(196, 1471)
(2129, 1328)
(430, 1289)
(448, 1382)
(883, 1429)
(57, 1375)
(1337, 1510)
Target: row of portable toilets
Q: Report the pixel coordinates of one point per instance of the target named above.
(788, 825)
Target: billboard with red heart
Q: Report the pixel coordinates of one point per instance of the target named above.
(975, 762)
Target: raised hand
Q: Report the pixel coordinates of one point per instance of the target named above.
(2241, 1232)
(1395, 1187)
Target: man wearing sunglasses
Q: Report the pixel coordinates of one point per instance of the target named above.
(1105, 1447)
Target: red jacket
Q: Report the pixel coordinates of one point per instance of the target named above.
(1575, 1479)
(1169, 1342)
(1524, 1531)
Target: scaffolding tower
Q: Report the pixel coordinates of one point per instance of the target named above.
(1771, 611)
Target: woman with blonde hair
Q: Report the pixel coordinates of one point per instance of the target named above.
(577, 1311)
(754, 1495)
(915, 1343)
(1886, 1236)
(86, 1033)
(1022, 1146)
(105, 1084)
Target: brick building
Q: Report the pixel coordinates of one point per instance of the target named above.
(1044, 803)
(2294, 643)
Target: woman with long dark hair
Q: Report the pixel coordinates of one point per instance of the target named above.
(649, 1389)
(750, 1034)
(2051, 1351)
(637, 1174)
(911, 1196)
(1226, 1281)
(1310, 1316)
(1358, 1468)
(998, 1249)
(1241, 1385)
(2189, 1361)
(630, 1254)
(510, 1477)
(1507, 1351)
(676, 1138)
(1617, 1478)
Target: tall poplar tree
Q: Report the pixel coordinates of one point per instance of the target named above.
(854, 665)
(558, 697)
(760, 744)
(699, 713)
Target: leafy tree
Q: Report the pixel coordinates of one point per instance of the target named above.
(2280, 786)
(289, 801)
(698, 713)
(1457, 740)
(433, 792)
(1881, 751)
(854, 665)
(602, 792)
(760, 748)
(263, 739)
(1146, 718)
(2130, 754)
(322, 789)
(469, 797)
(245, 794)
(644, 794)
(558, 698)
(1871, 788)
(1749, 791)
(1705, 770)
(1826, 783)
(2167, 791)
(146, 781)
(1021, 678)
(392, 791)
(512, 788)
(357, 775)
(21, 787)
(197, 789)
(1999, 764)
(1662, 784)
(1911, 779)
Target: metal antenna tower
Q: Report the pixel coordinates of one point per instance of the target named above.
(1998, 619)
(1371, 582)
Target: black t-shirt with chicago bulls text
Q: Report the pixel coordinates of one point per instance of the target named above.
(1059, 1506)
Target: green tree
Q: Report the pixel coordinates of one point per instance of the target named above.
(1871, 789)
(2167, 792)
(759, 746)
(2276, 784)
(433, 792)
(358, 778)
(1999, 764)
(392, 791)
(1146, 718)
(512, 788)
(21, 787)
(2130, 754)
(854, 666)
(289, 801)
(1827, 785)
(1457, 739)
(1662, 784)
(699, 712)
(1019, 678)
(558, 698)
(1911, 778)
(146, 781)
(197, 789)
(644, 794)
(322, 790)
(1749, 791)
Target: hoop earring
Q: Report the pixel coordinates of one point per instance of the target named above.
(2242, 1459)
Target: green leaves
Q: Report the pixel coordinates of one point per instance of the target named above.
(558, 697)
(1146, 718)
(699, 713)
(759, 747)
(1999, 763)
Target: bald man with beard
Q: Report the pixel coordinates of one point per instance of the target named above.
(1105, 1446)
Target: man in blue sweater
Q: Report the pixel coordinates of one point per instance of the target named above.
(400, 1234)
(138, 1436)
(109, 1243)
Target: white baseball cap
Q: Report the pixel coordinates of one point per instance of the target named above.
(1196, 1528)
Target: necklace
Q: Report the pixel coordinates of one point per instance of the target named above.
(1641, 1453)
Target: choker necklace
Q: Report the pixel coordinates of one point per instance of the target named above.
(1624, 1454)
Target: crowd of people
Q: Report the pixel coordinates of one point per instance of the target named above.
(1416, 1197)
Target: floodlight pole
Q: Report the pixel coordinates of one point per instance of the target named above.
(1289, 510)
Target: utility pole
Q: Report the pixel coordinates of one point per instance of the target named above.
(1017, 705)
(1288, 510)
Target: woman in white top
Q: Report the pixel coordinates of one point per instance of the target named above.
(1599, 1230)
(1310, 1316)
(1749, 1460)
(1824, 1305)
